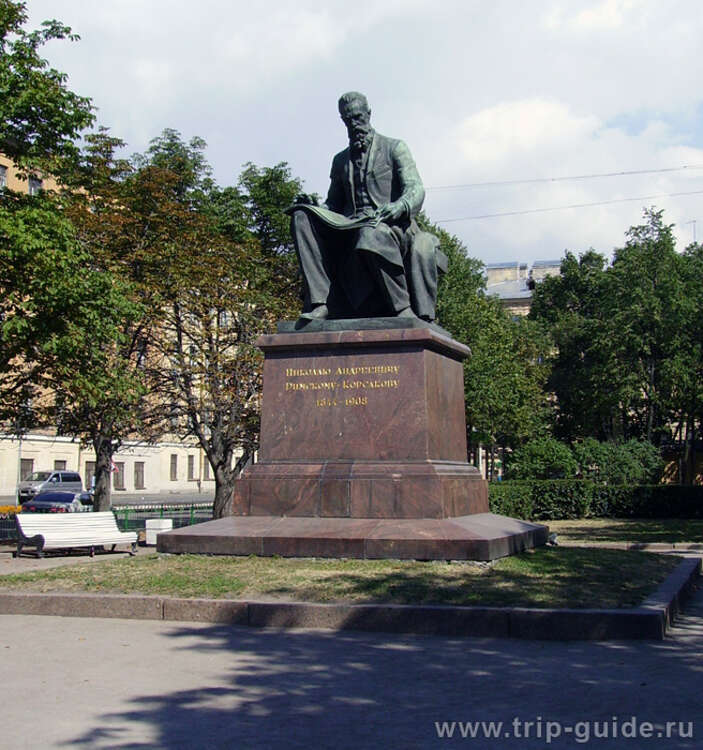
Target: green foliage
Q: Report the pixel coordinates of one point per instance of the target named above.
(59, 316)
(572, 310)
(543, 499)
(633, 462)
(39, 117)
(542, 458)
(570, 499)
(268, 192)
(647, 320)
(505, 400)
(190, 171)
(223, 273)
(627, 361)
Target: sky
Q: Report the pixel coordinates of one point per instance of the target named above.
(499, 101)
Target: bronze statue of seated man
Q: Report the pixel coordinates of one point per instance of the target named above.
(362, 253)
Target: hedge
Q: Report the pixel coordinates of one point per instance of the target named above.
(547, 499)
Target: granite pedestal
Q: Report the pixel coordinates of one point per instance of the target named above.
(363, 454)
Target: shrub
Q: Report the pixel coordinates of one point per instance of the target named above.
(542, 458)
(571, 499)
(633, 462)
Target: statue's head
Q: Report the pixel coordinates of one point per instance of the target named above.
(355, 112)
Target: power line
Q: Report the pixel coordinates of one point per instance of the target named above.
(574, 205)
(534, 180)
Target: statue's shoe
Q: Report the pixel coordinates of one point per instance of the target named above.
(318, 313)
(406, 313)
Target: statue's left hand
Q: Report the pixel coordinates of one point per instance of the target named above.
(306, 200)
(391, 211)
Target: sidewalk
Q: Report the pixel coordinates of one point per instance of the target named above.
(25, 564)
(188, 685)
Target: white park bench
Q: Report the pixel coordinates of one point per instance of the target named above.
(55, 531)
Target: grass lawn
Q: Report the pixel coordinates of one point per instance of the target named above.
(547, 577)
(644, 530)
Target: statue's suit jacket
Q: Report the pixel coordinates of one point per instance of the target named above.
(391, 175)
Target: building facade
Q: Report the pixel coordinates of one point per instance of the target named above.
(513, 282)
(164, 468)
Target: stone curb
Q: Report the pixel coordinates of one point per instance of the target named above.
(641, 546)
(648, 621)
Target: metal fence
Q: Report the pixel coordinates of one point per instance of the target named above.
(133, 517)
(8, 530)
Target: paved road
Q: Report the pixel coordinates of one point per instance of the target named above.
(130, 684)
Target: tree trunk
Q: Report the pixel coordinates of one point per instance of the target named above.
(650, 404)
(103, 465)
(224, 487)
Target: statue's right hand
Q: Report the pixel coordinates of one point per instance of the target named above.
(305, 200)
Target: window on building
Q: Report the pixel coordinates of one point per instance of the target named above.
(224, 318)
(139, 475)
(26, 468)
(34, 185)
(59, 465)
(89, 474)
(3, 176)
(141, 353)
(206, 470)
(174, 467)
(118, 476)
(191, 468)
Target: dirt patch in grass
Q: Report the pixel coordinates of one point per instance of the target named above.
(547, 577)
(640, 530)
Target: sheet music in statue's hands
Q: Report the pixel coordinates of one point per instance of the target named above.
(335, 220)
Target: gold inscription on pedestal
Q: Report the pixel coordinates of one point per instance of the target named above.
(332, 385)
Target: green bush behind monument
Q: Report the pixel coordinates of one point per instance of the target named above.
(547, 499)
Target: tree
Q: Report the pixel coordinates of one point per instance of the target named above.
(39, 116)
(224, 289)
(505, 373)
(627, 359)
(61, 317)
(40, 290)
(218, 306)
(572, 309)
(268, 191)
(130, 230)
(646, 322)
(688, 363)
(53, 307)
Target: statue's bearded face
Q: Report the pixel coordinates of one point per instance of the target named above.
(357, 118)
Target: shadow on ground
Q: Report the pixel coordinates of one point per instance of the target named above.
(645, 531)
(346, 690)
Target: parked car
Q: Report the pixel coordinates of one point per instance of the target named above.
(41, 481)
(58, 501)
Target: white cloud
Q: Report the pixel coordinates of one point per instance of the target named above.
(599, 16)
(545, 141)
(481, 90)
(509, 130)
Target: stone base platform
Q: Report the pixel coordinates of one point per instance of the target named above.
(481, 536)
(361, 489)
